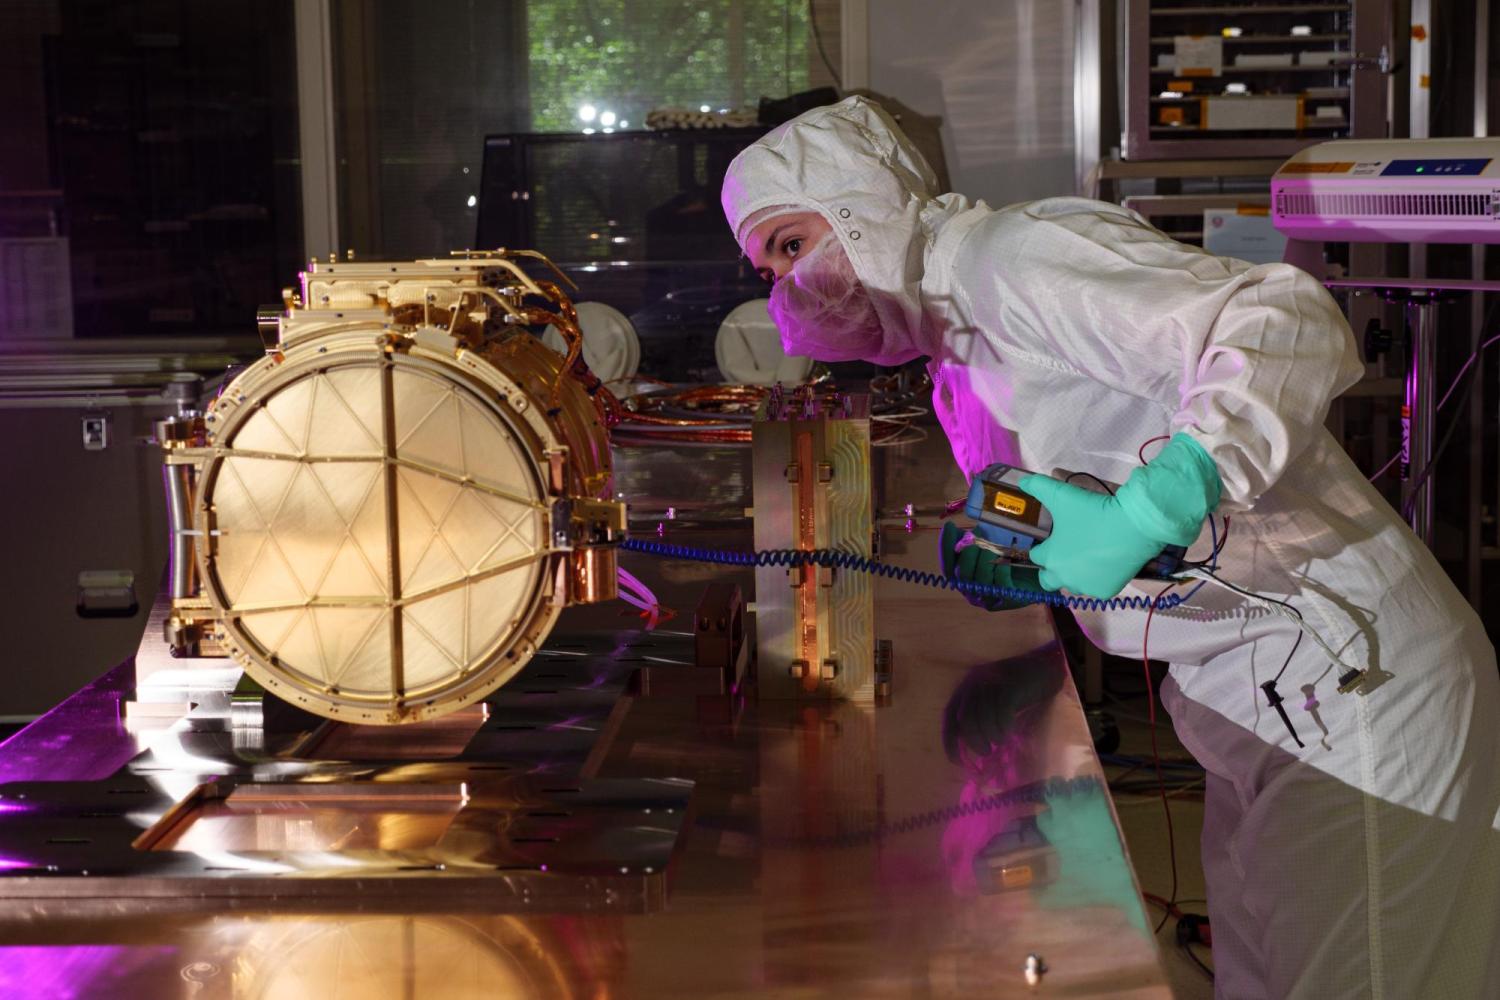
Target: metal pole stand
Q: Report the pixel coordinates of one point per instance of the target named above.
(1421, 298)
(1419, 408)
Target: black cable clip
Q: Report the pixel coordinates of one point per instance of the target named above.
(1275, 700)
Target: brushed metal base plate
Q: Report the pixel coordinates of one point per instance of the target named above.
(494, 807)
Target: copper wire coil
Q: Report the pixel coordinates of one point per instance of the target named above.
(627, 434)
(699, 414)
(716, 402)
(686, 436)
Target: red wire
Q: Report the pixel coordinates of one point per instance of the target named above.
(1161, 785)
(1170, 907)
(1219, 546)
(1142, 453)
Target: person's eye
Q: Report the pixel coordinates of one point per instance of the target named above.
(792, 246)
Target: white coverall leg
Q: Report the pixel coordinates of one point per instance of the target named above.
(1065, 334)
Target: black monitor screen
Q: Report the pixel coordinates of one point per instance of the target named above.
(634, 219)
(638, 196)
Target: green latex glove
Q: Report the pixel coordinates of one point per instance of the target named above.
(1100, 542)
(977, 565)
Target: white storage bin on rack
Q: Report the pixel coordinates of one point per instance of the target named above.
(1216, 79)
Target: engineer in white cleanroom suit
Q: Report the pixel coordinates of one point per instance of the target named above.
(1065, 334)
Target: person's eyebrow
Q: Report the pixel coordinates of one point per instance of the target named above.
(771, 240)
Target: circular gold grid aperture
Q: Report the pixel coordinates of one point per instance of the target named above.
(378, 538)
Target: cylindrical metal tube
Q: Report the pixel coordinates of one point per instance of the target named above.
(177, 479)
(1418, 411)
(594, 574)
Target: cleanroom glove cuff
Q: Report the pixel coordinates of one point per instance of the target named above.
(1099, 543)
(1168, 497)
(978, 565)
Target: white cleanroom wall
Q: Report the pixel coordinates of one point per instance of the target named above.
(1001, 77)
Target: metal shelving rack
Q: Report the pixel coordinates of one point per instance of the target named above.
(1251, 79)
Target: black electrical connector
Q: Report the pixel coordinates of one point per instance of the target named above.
(1275, 700)
(1350, 679)
(1193, 928)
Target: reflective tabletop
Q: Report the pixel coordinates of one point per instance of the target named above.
(954, 839)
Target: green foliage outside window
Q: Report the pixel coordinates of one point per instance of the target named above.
(630, 56)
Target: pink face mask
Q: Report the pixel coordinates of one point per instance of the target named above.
(823, 311)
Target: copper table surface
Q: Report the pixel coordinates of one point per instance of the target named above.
(834, 850)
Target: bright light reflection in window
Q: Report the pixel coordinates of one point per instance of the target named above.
(607, 118)
(587, 112)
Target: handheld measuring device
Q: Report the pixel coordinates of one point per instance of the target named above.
(1009, 521)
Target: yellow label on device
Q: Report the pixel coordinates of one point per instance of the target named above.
(1016, 877)
(1009, 503)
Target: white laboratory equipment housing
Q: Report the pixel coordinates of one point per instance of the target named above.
(1391, 191)
(1396, 191)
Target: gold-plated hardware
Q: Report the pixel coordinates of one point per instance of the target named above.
(807, 613)
(382, 519)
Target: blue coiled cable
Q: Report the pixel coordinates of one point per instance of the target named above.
(832, 559)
